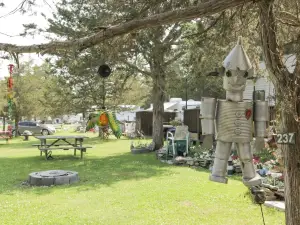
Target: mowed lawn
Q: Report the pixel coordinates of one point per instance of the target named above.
(117, 187)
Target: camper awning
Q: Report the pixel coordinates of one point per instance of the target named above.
(167, 106)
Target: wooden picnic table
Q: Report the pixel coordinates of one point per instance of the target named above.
(60, 143)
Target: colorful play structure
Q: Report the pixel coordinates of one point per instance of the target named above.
(104, 119)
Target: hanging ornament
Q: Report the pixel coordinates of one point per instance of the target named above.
(10, 82)
(104, 71)
(103, 119)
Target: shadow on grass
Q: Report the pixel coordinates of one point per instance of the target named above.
(237, 177)
(19, 143)
(93, 172)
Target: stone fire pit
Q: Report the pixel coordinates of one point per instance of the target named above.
(52, 177)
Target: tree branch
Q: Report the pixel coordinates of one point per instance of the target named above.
(134, 67)
(175, 58)
(172, 32)
(288, 18)
(189, 13)
(207, 29)
(273, 58)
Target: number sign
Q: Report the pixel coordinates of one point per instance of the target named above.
(285, 138)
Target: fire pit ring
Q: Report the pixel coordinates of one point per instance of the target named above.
(52, 177)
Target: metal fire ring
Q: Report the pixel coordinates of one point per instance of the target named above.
(52, 177)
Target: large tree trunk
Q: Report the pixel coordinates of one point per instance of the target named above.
(17, 120)
(3, 123)
(287, 89)
(292, 170)
(158, 96)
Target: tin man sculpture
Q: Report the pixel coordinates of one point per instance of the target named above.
(232, 120)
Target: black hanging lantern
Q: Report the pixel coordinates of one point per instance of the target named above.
(104, 71)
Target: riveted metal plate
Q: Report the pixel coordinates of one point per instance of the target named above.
(238, 114)
(238, 123)
(238, 131)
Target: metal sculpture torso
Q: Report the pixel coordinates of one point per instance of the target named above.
(232, 120)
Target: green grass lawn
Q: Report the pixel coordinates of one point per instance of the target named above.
(117, 187)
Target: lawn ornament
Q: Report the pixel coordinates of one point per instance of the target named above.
(104, 119)
(232, 119)
(104, 71)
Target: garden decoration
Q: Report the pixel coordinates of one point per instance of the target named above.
(104, 119)
(10, 91)
(231, 119)
(104, 71)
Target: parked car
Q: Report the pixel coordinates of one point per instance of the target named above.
(57, 126)
(35, 128)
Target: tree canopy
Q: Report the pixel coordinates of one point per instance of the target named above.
(272, 25)
(177, 14)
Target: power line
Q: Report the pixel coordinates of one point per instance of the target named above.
(262, 214)
(18, 8)
(8, 35)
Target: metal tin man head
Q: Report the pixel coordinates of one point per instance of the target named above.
(237, 69)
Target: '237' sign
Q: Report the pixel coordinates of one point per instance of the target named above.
(285, 138)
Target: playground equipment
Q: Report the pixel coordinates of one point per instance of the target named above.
(104, 119)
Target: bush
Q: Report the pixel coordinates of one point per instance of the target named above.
(265, 155)
(175, 123)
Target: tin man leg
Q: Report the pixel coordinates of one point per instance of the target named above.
(250, 177)
(222, 154)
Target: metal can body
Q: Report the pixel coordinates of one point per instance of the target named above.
(234, 121)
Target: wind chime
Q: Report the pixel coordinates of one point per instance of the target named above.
(10, 84)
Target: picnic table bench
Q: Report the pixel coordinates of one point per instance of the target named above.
(61, 143)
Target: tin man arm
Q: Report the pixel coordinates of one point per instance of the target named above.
(260, 118)
(208, 110)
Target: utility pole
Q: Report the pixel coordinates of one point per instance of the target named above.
(186, 94)
(103, 93)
